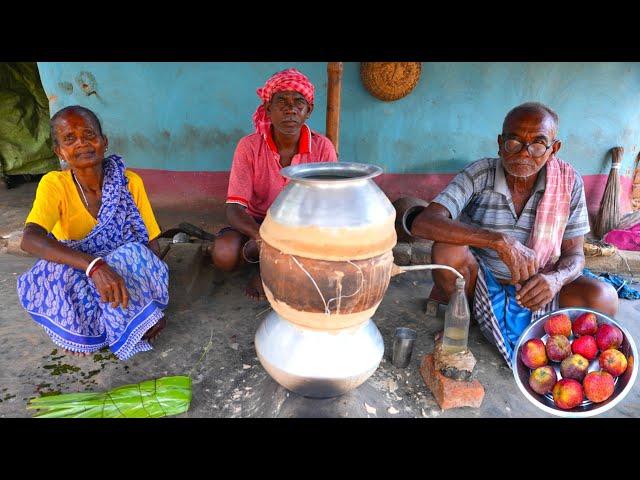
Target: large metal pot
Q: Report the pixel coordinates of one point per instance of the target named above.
(325, 262)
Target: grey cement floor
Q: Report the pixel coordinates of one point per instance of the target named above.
(230, 382)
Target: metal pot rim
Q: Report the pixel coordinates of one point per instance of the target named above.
(302, 172)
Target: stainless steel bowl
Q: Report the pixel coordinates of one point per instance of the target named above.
(587, 408)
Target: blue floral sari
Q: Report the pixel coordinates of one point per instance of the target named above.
(67, 304)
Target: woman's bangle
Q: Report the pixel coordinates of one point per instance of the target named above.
(91, 265)
(97, 266)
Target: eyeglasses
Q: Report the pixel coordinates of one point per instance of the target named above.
(535, 149)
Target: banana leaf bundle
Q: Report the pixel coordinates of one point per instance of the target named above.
(149, 399)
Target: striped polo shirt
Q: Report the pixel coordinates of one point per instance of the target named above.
(479, 196)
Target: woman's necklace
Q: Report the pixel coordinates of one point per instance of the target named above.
(81, 189)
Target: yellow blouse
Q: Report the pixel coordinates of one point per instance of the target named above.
(59, 209)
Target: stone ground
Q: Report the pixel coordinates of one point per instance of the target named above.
(211, 338)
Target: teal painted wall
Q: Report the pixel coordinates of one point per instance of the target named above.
(189, 116)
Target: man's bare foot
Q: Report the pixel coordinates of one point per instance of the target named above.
(154, 331)
(438, 295)
(254, 288)
(76, 354)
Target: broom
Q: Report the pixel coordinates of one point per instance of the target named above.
(609, 212)
(635, 192)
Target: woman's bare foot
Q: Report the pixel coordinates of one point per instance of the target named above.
(254, 288)
(154, 331)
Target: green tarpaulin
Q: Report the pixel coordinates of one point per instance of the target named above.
(25, 142)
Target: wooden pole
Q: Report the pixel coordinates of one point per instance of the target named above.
(334, 86)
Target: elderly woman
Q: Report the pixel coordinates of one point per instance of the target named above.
(99, 282)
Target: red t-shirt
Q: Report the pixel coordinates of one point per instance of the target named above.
(255, 179)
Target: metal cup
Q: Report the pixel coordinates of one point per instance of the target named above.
(403, 346)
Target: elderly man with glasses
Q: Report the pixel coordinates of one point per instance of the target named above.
(514, 227)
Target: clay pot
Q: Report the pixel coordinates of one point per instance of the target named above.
(406, 209)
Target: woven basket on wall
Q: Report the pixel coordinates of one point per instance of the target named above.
(390, 81)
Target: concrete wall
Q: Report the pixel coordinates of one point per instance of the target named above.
(187, 117)
(173, 116)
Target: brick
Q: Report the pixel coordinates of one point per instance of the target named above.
(402, 254)
(447, 392)
(421, 253)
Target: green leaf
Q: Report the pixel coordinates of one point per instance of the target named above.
(148, 399)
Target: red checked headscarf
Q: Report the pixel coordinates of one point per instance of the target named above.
(289, 79)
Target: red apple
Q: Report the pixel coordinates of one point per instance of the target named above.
(585, 346)
(585, 324)
(574, 366)
(543, 379)
(608, 336)
(559, 324)
(598, 386)
(558, 348)
(567, 393)
(533, 353)
(613, 361)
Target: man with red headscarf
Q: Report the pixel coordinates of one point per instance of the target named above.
(282, 138)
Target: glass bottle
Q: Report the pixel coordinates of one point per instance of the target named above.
(456, 321)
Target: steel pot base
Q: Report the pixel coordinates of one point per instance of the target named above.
(315, 363)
